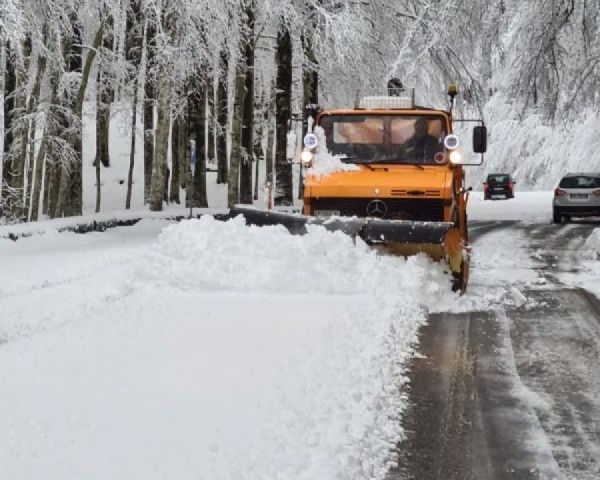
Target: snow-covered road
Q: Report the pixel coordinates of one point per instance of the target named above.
(510, 390)
(211, 350)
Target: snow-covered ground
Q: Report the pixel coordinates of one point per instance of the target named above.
(526, 207)
(588, 256)
(208, 350)
(205, 349)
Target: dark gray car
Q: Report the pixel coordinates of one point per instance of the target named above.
(577, 195)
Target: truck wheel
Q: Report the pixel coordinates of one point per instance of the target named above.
(556, 216)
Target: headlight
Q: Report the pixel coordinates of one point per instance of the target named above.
(451, 142)
(307, 157)
(455, 157)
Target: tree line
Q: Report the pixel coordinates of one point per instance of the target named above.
(240, 71)
(170, 62)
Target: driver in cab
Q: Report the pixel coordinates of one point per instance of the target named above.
(422, 146)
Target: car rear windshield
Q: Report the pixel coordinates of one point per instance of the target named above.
(498, 179)
(582, 181)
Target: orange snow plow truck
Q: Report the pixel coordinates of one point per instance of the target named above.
(400, 184)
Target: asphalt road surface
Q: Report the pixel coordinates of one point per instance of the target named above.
(512, 392)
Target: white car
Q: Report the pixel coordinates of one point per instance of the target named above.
(577, 195)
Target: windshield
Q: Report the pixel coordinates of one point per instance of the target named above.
(498, 179)
(386, 138)
(580, 182)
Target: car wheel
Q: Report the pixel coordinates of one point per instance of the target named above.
(567, 218)
(556, 216)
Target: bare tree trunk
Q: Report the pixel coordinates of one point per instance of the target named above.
(10, 86)
(133, 54)
(102, 121)
(159, 163)
(53, 185)
(21, 135)
(70, 197)
(33, 102)
(283, 99)
(196, 130)
(159, 166)
(104, 98)
(46, 190)
(149, 101)
(236, 138)
(132, 149)
(270, 121)
(310, 87)
(184, 152)
(175, 161)
(248, 110)
(222, 120)
(210, 141)
(69, 202)
(49, 130)
(258, 142)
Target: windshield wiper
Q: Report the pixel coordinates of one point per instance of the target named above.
(419, 166)
(399, 161)
(357, 161)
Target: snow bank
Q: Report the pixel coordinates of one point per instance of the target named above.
(336, 414)
(219, 351)
(592, 245)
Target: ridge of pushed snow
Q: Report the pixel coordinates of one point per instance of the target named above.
(336, 414)
(214, 350)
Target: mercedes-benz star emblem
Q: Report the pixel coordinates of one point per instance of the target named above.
(377, 208)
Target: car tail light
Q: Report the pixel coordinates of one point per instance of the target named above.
(485, 186)
(558, 192)
(596, 192)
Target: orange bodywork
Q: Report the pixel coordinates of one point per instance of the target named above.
(443, 183)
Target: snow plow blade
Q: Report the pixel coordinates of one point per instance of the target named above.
(439, 240)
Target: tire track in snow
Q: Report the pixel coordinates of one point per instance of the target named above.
(508, 435)
(557, 351)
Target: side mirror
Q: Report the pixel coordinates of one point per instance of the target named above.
(480, 139)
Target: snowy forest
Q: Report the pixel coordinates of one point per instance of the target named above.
(218, 84)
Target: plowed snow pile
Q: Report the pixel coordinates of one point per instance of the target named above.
(221, 351)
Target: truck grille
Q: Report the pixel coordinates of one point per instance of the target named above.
(395, 208)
